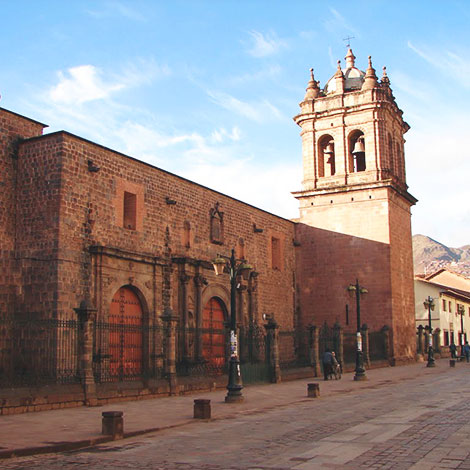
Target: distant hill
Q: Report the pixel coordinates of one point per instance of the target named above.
(429, 255)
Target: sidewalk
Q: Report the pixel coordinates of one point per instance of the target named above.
(73, 428)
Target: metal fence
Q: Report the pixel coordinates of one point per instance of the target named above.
(205, 352)
(35, 351)
(127, 352)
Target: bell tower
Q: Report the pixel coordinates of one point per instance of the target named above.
(355, 220)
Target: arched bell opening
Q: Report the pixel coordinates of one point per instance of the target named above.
(326, 153)
(357, 152)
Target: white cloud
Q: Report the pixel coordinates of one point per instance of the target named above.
(81, 84)
(338, 24)
(454, 66)
(260, 75)
(219, 135)
(438, 166)
(112, 8)
(258, 111)
(263, 45)
(85, 83)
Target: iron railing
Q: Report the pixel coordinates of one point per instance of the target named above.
(37, 351)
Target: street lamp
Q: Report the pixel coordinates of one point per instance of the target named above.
(243, 269)
(461, 312)
(429, 305)
(360, 373)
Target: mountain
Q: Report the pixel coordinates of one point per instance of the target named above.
(429, 256)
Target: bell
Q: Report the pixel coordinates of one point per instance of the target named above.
(359, 146)
(329, 149)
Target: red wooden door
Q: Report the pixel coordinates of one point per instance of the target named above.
(213, 336)
(125, 335)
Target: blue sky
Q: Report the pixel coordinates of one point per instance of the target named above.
(208, 89)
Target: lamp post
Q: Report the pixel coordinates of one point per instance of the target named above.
(234, 387)
(429, 305)
(461, 312)
(360, 373)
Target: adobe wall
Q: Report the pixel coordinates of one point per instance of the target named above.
(13, 129)
(89, 214)
(345, 237)
(328, 263)
(401, 262)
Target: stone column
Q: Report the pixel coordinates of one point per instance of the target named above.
(386, 340)
(171, 322)
(199, 282)
(338, 331)
(365, 344)
(315, 350)
(272, 337)
(86, 317)
(184, 280)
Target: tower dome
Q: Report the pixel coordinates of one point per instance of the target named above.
(353, 77)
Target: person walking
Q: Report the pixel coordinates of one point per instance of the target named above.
(466, 351)
(453, 350)
(328, 361)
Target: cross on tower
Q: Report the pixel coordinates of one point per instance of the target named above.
(348, 45)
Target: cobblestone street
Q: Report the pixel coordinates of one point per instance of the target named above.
(419, 423)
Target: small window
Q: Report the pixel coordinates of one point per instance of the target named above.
(450, 307)
(187, 234)
(446, 338)
(444, 305)
(241, 248)
(276, 253)
(130, 212)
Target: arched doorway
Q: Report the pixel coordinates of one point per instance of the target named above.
(213, 334)
(125, 335)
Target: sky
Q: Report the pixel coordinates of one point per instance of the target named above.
(207, 89)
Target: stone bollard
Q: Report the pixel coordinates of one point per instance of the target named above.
(313, 390)
(202, 409)
(113, 424)
(452, 363)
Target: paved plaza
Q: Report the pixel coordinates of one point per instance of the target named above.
(409, 417)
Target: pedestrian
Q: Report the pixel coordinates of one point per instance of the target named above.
(466, 351)
(453, 350)
(327, 360)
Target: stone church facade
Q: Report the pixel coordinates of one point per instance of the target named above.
(120, 252)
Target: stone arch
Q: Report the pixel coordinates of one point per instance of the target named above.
(326, 156)
(356, 160)
(219, 291)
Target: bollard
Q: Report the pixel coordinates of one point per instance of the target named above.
(313, 390)
(112, 424)
(202, 409)
(452, 363)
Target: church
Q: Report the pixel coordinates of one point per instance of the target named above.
(108, 287)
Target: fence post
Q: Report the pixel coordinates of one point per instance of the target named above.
(315, 352)
(365, 344)
(86, 316)
(272, 335)
(339, 342)
(171, 321)
(386, 340)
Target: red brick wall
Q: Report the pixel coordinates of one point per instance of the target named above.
(82, 208)
(13, 129)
